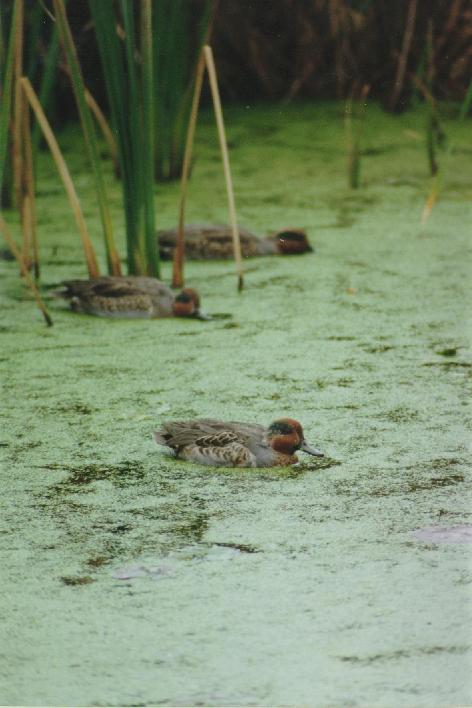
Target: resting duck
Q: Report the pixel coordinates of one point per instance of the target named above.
(133, 297)
(211, 241)
(212, 442)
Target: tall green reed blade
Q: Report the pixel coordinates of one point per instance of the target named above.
(147, 138)
(354, 135)
(125, 78)
(47, 84)
(88, 127)
(7, 93)
(177, 46)
(467, 103)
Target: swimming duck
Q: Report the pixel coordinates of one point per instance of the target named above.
(133, 297)
(213, 442)
(211, 241)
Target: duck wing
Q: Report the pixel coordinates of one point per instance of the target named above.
(179, 433)
(208, 241)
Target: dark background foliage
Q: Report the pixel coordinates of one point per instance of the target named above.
(284, 49)
(276, 49)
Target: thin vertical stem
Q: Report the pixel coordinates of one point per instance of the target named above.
(28, 185)
(6, 95)
(18, 103)
(224, 152)
(88, 128)
(24, 270)
(177, 270)
(147, 142)
(403, 58)
(89, 251)
(105, 128)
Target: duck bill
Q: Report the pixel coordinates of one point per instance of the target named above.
(305, 447)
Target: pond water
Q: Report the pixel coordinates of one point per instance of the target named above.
(130, 578)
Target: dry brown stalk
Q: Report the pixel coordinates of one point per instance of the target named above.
(403, 57)
(17, 104)
(24, 270)
(177, 266)
(90, 257)
(28, 205)
(210, 64)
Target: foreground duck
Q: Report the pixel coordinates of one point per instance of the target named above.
(131, 297)
(212, 241)
(213, 442)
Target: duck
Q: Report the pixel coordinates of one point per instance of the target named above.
(233, 444)
(212, 241)
(129, 297)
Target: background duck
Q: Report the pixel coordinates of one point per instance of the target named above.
(129, 297)
(212, 241)
(233, 444)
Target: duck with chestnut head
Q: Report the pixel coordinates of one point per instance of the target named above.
(233, 444)
(215, 241)
(129, 297)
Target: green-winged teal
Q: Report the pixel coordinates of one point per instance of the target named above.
(129, 297)
(212, 241)
(220, 444)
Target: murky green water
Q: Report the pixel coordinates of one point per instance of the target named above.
(130, 578)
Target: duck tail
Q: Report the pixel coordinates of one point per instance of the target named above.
(160, 437)
(67, 289)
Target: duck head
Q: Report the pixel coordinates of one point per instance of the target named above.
(292, 241)
(286, 436)
(187, 304)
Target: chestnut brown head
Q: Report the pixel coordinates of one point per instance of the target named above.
(286, 436)
(187, 304)
(292, 241)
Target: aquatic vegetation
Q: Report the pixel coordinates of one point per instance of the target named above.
(355, 110)
(338, 574)
(179, 30)
(90, 139)
(129, 84)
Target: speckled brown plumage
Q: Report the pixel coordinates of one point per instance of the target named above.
(215, 241)
(235, 444)
(130, 297)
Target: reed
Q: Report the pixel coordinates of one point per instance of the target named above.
(178, 35)
(6, 98)
(47, 83)
(403, 55)
(88, 128)
(466, 104)
(105, 129)
(355, 111)
(128, 72)
(178, 261)
(90, 257)
(206, 59)
(17, 119)
(28, 205)
(24, 270)
(224, 153)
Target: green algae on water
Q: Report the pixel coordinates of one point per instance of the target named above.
(260, 587)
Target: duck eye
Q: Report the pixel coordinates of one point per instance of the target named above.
(291, 236)
(281, 428)
(183, 297)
